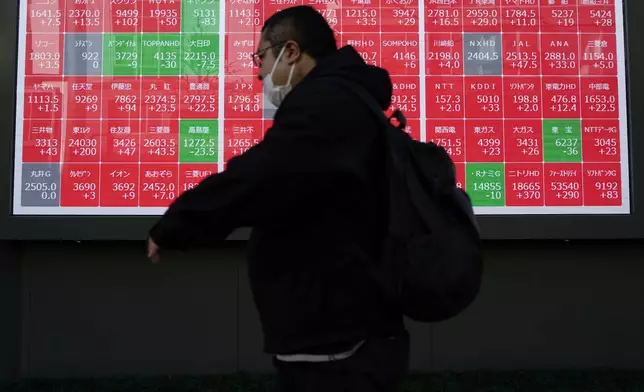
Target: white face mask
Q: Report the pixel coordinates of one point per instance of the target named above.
(276, 94)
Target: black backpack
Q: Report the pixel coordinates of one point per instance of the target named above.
(432, 261)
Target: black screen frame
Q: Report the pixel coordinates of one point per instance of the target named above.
(494, 227)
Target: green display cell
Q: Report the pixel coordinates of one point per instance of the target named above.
(198, 141)
(160, 54)
(562, 140)
(122, 54)
(200, 55)
(486, 184)
(200, 16)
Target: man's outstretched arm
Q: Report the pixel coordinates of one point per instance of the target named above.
(299, 162)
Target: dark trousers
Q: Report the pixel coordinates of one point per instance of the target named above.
(379, 365)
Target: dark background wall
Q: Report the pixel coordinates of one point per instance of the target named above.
(10, 312)
(95, 309)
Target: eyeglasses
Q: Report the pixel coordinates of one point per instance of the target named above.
(257, 56)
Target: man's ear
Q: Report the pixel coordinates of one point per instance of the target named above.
(292, 52)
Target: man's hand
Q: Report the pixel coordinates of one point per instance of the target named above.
(153, 251)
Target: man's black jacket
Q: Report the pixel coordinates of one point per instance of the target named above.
(312, 191)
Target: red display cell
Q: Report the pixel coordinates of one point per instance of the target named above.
(240, 136)
(244, 16)
(522, 55)
(367, 44)
(43, 97)
(199, 97)
(598, 54)
(520, 18)
(401, 53)
(82, 141)
(523, 140)
(600, 140)
(444, 96)
(273, 6)
(559, 54)
(450, 134)
(561, 97)
(406, 95)
(84, 16)
(159, 184)
(243, 95)
(120, 141)
(119, 185)
(121, 97)
(80, 185)
(190, 175)
(484, 97)
(83, 97)
(399, 17)
(44, 54)
(444, 54)
(41, 140)
(123, 16)
(460, 175)
(484, 140)
(602, 184)
(444, 18)
(160, 97)
(267, 124)
(599, 97)
(330, 9)
(160, 140)
(239, 51)
(360, 16)
(45, 16)
(413, 128)
(522, 97)
(481, 16)
(161, 16)
(558, 16)
(524, 185)
(563, 184)
(599, 18)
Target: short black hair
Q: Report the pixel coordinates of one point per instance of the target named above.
(304, 25)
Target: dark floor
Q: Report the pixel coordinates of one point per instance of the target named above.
(530, 381)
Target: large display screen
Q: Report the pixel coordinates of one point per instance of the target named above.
(122, 105)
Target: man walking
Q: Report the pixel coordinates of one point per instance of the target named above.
(313, 192)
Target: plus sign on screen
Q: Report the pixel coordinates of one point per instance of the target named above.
(125, 104)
